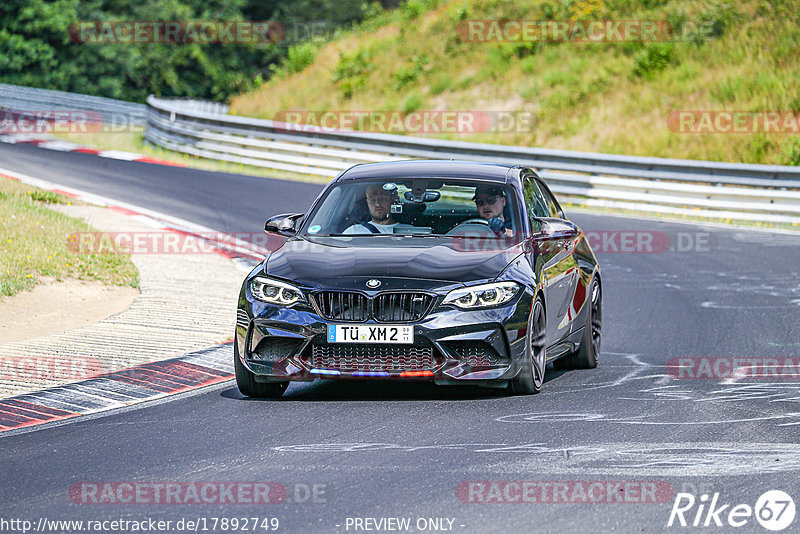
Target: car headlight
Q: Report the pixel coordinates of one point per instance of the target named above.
(482, 296)
(275, 292)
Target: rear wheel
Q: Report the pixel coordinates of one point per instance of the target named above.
(586, 355)
(246, 381)
(531, 377)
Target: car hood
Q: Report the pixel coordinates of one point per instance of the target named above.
(321, 261)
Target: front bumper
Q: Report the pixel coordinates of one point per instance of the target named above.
(451, 346)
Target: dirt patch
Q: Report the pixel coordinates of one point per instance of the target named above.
(52, 307)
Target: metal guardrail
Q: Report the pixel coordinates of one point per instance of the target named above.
(115, 112)
(201, 106)
(769, 193)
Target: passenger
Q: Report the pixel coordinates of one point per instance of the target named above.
(491, 202)
(379, 202)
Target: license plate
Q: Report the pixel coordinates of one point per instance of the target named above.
(369, 333)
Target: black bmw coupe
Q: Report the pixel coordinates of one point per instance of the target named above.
(451, 272)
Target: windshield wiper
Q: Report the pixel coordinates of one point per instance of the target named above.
(376, 235)
(422, 235)
(348, 235)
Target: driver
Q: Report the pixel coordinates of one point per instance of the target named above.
(379, 202)
(491, 201)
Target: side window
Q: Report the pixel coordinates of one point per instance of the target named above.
(534, 200)
(553, 209)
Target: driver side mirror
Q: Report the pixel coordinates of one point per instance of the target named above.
(553, 228)
(285, 224)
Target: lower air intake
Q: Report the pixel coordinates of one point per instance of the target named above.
(275, 349)
(391, 359)
(474, 353)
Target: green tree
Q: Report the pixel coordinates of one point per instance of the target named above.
(36, 48)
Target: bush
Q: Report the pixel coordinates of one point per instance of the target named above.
(414, 8)
(441, 84)
(299, 57)
(759, 146)
(48, 197)
(412, 103)
(676, 20)
(371, 10)
(351, 72)
(710, 23)
(794, 154)
(653, 58)
(409, 74)
(459, 12)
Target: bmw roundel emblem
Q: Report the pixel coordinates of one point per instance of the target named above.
(373, 283)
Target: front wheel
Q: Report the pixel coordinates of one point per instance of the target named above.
(531, 377)
(586, 355)
(246, 381)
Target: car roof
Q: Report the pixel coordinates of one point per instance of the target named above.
(473, 170)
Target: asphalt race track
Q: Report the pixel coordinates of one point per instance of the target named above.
(353, 450)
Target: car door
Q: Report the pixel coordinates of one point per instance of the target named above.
(549, 256)
(569, 264)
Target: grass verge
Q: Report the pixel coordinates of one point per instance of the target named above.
(33, 243)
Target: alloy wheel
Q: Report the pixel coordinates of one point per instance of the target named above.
(537, 340)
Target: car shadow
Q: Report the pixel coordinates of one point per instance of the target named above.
(374, 390)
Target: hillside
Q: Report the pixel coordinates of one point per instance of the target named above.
(614, 97)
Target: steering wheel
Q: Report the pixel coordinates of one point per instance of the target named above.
(461, 227)
(474, 221)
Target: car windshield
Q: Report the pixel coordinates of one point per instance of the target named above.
(416, 207)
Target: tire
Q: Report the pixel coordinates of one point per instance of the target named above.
(531, 377)
(247, 384)
(586, 355)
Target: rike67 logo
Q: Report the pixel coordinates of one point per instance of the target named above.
(774, 510)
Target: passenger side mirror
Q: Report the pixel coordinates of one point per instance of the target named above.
(285, 224)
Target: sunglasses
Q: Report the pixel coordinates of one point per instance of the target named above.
(481, 202)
